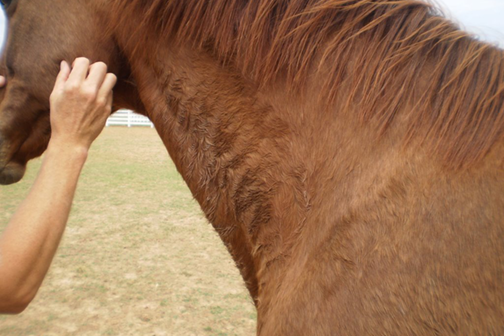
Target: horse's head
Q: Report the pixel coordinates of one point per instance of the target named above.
(40, 35)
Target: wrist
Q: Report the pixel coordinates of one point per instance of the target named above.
(67, 150)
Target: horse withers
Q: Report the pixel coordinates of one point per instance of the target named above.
(348, 153)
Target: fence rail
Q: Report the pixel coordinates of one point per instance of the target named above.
(128, 118)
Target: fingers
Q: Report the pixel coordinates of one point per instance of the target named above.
(97, 73)
(2, 81)
(107, 86)
(62, 75)
(80, 109)
(98, 83)
(79, 71)
(110, 100)
(98, 79)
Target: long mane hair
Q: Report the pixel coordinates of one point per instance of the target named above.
(460, 114)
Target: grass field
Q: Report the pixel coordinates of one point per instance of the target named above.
(138, 257)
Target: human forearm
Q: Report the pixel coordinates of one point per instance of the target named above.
(80, 103)
(29, 243)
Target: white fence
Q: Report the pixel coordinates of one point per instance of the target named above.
(128, 118)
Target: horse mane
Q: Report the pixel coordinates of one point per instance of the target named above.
(460, 114)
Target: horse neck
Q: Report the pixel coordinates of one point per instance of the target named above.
(261, 161)
(229, 144)
(251, 157)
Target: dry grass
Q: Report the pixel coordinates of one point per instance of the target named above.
(138, 257)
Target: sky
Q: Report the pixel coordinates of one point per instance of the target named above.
(484, 18)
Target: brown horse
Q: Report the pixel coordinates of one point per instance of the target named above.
(349, 153)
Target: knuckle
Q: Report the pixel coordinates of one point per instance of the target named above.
(89, 94)
(52, 99)
(71, 87)
(101, 103)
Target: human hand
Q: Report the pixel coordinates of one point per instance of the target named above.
(81, 102)
(3, 81)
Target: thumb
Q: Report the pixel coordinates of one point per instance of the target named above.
(62, 76)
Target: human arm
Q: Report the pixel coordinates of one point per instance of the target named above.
(80, 105)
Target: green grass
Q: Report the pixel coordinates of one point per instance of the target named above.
(137, 257)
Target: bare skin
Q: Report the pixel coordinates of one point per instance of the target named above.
(80, 104)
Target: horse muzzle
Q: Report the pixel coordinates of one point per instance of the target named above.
(10, 171)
